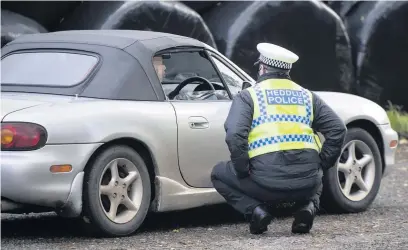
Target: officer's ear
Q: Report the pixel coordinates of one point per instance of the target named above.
(246, 85)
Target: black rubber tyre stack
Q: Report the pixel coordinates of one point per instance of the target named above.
(14, 25)
(166, 16)
(342, 8)
(202, 7)
(47, 13)
(309, 28)
(379, 41)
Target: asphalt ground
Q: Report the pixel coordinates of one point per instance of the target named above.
(383, 226)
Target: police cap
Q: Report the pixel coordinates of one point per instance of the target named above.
(275, 56)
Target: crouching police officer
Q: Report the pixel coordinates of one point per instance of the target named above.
(276, 155)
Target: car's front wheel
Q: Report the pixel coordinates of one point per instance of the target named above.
(116, 192)
(353, 184)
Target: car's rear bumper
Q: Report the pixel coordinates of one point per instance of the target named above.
(26, 178)
(388, 135)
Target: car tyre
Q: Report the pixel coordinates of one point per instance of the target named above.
(94, 213)
(333, 198)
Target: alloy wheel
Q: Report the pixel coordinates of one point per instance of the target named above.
(356, 170)
(120, 190)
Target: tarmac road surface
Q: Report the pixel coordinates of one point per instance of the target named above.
(383, 226)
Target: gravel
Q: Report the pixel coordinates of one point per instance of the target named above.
(383, 226)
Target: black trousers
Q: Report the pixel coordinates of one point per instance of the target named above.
(244, 194)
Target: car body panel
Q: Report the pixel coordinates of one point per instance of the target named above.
(12, 102)
(153, 123)
(9, 105)
(26, 176)
(388, 135)
(201, 139)
(174, 196)
(351, 107)
(126, 100)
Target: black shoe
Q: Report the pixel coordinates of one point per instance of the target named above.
(260, 220)
(303, 222)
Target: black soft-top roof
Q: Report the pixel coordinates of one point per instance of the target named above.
(127, 71)
(113, 38)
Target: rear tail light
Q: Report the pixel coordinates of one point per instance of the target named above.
(19, 136)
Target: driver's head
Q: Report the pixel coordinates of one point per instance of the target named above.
(159, 67)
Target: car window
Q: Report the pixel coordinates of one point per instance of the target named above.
(176, 67)
(233, 81)
(46, 68)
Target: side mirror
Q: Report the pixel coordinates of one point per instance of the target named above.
(246, 85)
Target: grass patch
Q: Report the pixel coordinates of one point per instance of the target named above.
(398, 119)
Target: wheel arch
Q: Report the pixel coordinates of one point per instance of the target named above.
(140, 147)
(374, 131)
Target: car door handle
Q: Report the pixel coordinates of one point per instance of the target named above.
(198, 122)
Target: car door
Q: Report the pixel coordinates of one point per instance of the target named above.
(201, 139)
(201, 134)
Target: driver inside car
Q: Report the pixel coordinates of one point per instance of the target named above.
(159, 67)
(201, 92)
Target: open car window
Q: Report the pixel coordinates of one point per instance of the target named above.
(183, 65)
(59, 69)
(233, 81)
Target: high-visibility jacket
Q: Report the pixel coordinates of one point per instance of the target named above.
(282, 118)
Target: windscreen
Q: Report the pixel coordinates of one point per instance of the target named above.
(57, 69)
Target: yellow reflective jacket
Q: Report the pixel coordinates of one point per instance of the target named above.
(282, 118)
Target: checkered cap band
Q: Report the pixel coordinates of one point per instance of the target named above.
(275, 63)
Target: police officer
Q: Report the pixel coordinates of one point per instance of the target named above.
(276, 155)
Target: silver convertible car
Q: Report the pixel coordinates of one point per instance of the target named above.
(110, 125)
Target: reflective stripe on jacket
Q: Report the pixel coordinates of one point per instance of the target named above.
(282, 118)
